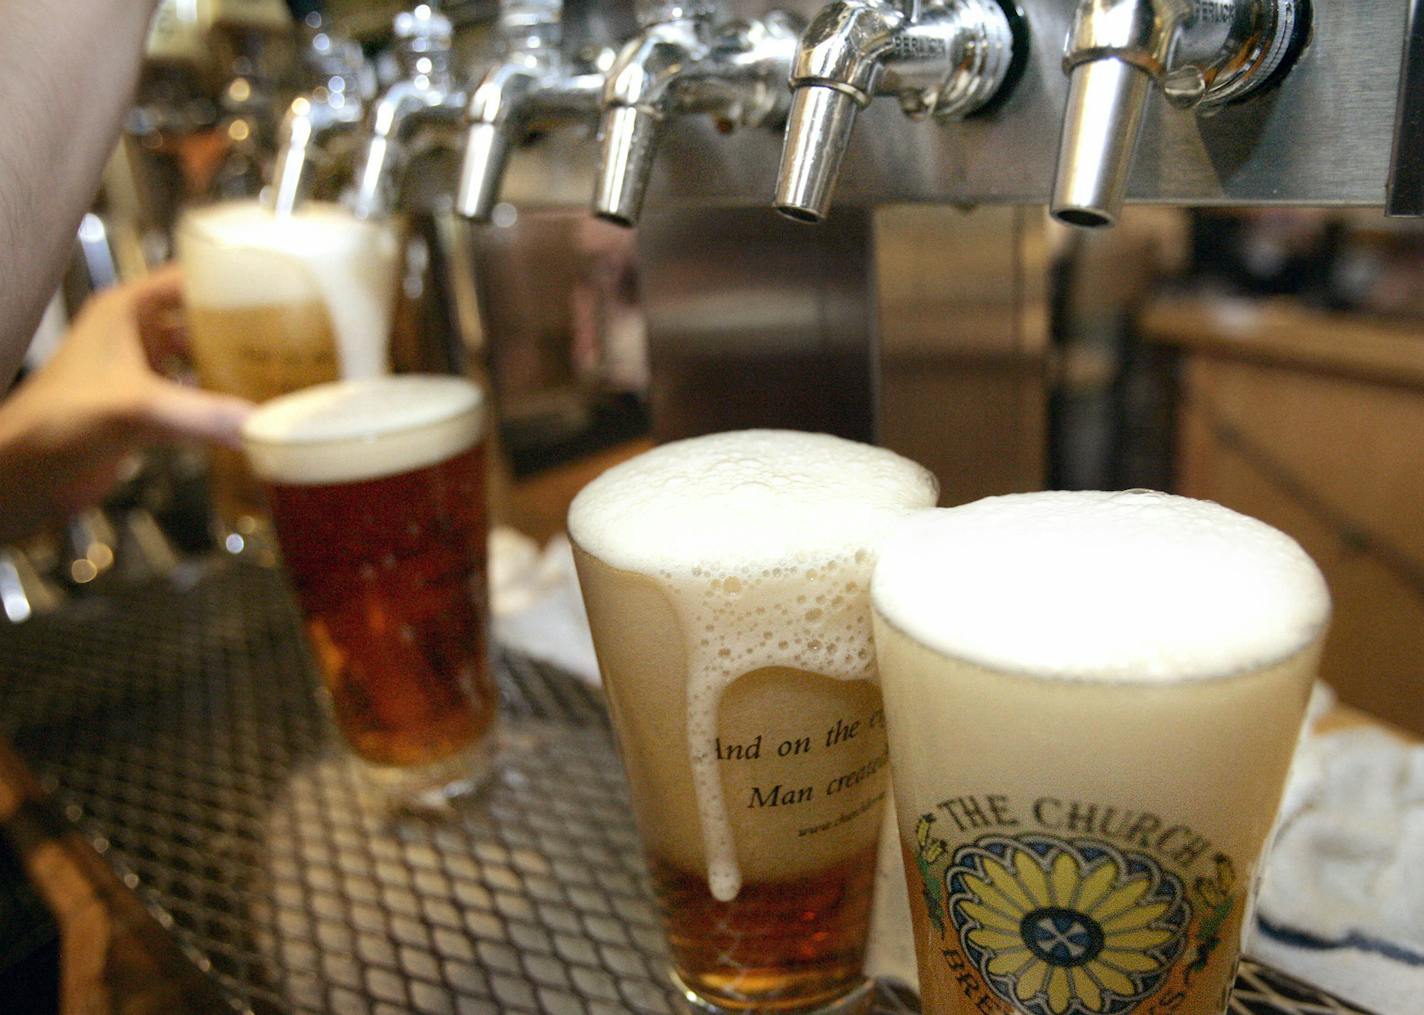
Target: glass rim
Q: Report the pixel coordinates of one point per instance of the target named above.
(355, 445)
(474, 407)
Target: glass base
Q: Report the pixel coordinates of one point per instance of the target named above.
(433, 787)
(856, 1002)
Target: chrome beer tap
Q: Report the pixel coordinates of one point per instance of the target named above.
(686, 59)
(428, 91)
(941, 58)
(1202, 54)
(533, 83)
(335, 106)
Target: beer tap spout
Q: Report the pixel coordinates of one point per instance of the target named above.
(532, 83)
(1116, 50)
(838, 62)
(309, 120)
(945, 58)
(685, 60)
(1119, 49)
(335, 106)
(428, 92)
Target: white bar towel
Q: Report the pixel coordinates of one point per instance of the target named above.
(1342, 893)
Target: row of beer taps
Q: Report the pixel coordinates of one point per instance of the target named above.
(941, 59)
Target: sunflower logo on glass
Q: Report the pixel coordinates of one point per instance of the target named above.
(1066, 928)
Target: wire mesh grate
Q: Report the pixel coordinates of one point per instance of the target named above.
(179, 727)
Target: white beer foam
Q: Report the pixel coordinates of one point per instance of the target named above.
(350, 431)
(1133, 586)
(241, 254)
(765, 540)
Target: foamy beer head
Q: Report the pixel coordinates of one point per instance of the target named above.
(1104, 586)
(760, 543)
(242, 260)
(353, 431)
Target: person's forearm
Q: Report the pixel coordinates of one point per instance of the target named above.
(67, 74)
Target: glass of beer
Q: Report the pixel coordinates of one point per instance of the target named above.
(277, 303)
(1092, 702)
(376, 489)
(727, 579)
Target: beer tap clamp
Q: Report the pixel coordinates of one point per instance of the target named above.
(1202, 55)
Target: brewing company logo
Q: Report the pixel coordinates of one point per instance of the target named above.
(1057, 926)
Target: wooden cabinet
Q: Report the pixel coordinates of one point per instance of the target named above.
(1314, 423)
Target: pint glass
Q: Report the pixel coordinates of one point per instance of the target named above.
(276, 304)
(1092, 702)
(376, 489)
(726, 580)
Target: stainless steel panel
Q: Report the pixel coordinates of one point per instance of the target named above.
(755, 321)
(1323, 138)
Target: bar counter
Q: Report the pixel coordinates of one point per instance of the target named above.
(194, 829)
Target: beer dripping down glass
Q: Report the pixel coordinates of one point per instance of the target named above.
(276, 304)
(376, 489)
(726, 580)
(1092, 700)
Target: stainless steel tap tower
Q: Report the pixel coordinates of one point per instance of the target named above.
(715, 111)
(1297, 104)
(1082, 105)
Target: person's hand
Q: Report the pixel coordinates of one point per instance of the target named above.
(65, 432)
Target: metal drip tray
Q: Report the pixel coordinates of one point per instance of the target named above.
(179, 729)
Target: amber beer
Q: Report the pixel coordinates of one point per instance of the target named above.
(726, 581)
(377, 496)
(279, 303)
(1092, 701)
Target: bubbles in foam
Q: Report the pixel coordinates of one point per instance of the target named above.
(765, 542)
(350, 431)
(240, 254)
(1130, 586)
